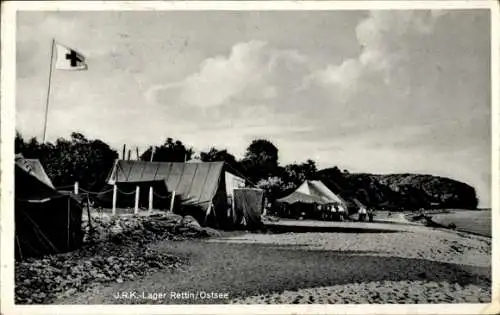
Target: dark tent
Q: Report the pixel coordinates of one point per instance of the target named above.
(46, 221)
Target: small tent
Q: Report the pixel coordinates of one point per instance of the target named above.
(359, 204)
(351, 203)
(46, 221)
(202, 189)
(311, 198)
(354, 205)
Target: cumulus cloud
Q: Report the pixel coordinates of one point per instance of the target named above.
(383, 37)
(257, 84)
(257, 74)
(251, 73)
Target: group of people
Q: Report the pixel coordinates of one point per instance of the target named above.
(328, 212)
(363, 213)
(334, 212)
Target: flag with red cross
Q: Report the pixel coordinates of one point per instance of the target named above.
(69, 59)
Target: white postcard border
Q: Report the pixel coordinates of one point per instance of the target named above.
(8, 69)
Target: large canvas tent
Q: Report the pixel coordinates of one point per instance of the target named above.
(202, 189)
(312, 194)
(46, 221)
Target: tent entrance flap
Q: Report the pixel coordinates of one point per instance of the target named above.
(248, 206)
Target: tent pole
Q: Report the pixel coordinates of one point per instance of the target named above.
(215, 215)
(19, 246)
(40, 233)
(69, 223)
(152, 154)
(150, 198)
(233, 209)
(115, 191)
(48, 89)
(172, 202)
(88, 212)
(136, 206)
(209, 209)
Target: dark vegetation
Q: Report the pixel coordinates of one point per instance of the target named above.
(66, 161)
(88, 162)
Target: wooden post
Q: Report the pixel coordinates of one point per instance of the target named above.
(150, 198)
(233, 209)
(137, 153)
(172, 201)
(68, 227)
(123, 153)
(115, 191)
(88, 212)
(128, 155)
(136, 206)
(212, 207)
(152, 154)
(76, 188)
(19, 247)
(209, 209)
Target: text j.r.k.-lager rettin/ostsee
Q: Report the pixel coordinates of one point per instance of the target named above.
(172, 295)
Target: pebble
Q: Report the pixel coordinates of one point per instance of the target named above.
(399, 292)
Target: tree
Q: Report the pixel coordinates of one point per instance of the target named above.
(275, 187)
(19, 145)
(66, 161)
(262, 149)
(169, 151)
(214, 155)
(298, 173)
(261, 160)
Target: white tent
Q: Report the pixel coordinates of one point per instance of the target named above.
(314, 191)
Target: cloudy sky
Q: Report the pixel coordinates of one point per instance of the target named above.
(379, 91)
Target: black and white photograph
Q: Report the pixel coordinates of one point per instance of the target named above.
(251, 156)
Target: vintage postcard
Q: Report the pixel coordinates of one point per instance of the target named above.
(261, 157)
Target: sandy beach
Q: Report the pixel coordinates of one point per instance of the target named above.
(396, 264)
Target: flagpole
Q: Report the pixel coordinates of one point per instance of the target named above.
(48, 89)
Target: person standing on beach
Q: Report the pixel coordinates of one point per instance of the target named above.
(333, 212)
(370, 215)
(362, 214)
